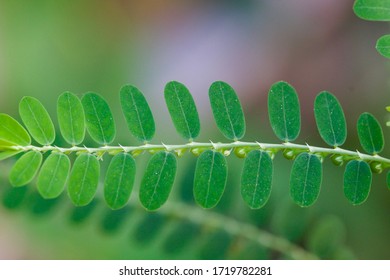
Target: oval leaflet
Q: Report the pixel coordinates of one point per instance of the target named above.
(99, 120)
(305, 179)
(227, 110)
(12, 132)
(157, 181)
(53, 175)
(182, 108)
(357, 181)
(84, 179)
(256, 179)
(71, 118)
(37, 120)
(210, 178)
(25, 169)
(370, 133)
(284, 111)
(119, 180)
(137, 113)
(330, 119)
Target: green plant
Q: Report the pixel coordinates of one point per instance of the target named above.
(94, 113)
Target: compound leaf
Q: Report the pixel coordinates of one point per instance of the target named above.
(256, 179)
(372, 9)
(357, 181)
(71, 118)
(119, 180)
(157, 181)
(84, 179)
(25, 169)
(37, 120)
(284, 111)
(370, 133)
(53, 175)
(210, 178)
(383, 45)
(99, 120)
(227, 110)
(305, 180)
(12, 132)
(182, 108)
(330, 119)
(137, 113)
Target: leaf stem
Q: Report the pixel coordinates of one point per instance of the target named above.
(197, 147)
(236, 228)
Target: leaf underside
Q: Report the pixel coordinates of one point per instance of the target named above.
(357, 181)
(210, 178)
(227, 110)
(25, 169)
(182, 108)
(119, 180)
(256, 179)
(83, 179)
(305, 179)
(157, 181)
(284, 111)
(136, 110)
(53, 175)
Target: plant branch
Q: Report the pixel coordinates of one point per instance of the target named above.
(235, 228)
(239, 148)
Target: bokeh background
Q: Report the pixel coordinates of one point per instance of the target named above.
(47, 47)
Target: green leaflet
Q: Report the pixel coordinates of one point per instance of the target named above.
(99, 120)
(383, 45)
(25, 169)
(157, 181)
(284, 111)
(210, 178)
(37, 120)
(357, 181)
(182, 108)
(256, 179)
(330, 119)
(8, 153)
(305, 179)
(53, 175)
(71, 118)
(12, 132)
(119, 180)
(370, 133)
(84, 179)
(227, 110)
(372, 9)
(137, 113)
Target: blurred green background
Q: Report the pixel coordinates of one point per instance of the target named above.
(47, 47)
